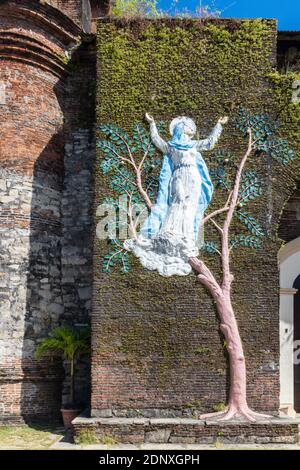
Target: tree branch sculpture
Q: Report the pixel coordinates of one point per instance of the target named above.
(131, 164)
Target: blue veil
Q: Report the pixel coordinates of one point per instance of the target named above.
(159, 211)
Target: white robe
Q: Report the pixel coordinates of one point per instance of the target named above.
(169, 250)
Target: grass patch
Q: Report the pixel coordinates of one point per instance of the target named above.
(108, 441)
(86, 437)
(26, 437)
(202, 350)
(219, 407)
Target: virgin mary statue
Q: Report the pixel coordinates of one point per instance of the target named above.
(170, 235)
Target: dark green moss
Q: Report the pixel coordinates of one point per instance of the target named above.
(141, 70)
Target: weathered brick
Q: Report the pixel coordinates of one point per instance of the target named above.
(34, 129)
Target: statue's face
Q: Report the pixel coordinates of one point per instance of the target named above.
(183, 125)
(188, 132)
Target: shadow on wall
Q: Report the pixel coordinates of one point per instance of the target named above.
(289, 227)
(59, 271)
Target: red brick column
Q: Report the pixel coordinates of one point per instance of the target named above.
(72, 8)
(36, 41)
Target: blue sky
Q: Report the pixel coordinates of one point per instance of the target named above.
(286, 11)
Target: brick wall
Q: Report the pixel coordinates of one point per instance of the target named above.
(72, 8)
(157, 350)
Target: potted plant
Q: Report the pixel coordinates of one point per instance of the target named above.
(71, 343)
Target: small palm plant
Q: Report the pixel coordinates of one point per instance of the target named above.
(71, 343)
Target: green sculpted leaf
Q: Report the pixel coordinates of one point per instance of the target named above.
(118, 136)
(251, 187)
(262, 126)
(116, 258)
(279, 150)
(263, 135)
(210, 247)
(123, 181)
(222, 158)
(250, 223)
(220, 178)
(246, 241)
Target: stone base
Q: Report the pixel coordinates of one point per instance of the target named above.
(188, 431)
(11, 420)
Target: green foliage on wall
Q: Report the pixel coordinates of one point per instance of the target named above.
(135, 8)
(169, 67)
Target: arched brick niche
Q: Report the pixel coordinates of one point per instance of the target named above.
(36, 43)
(71, 8)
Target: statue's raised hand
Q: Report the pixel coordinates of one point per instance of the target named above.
(223, 120)
(149, 118)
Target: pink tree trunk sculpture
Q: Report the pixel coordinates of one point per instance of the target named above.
(237, 405)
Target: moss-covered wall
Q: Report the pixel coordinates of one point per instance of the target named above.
(156, 342)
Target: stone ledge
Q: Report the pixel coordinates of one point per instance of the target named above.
(189, 431)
